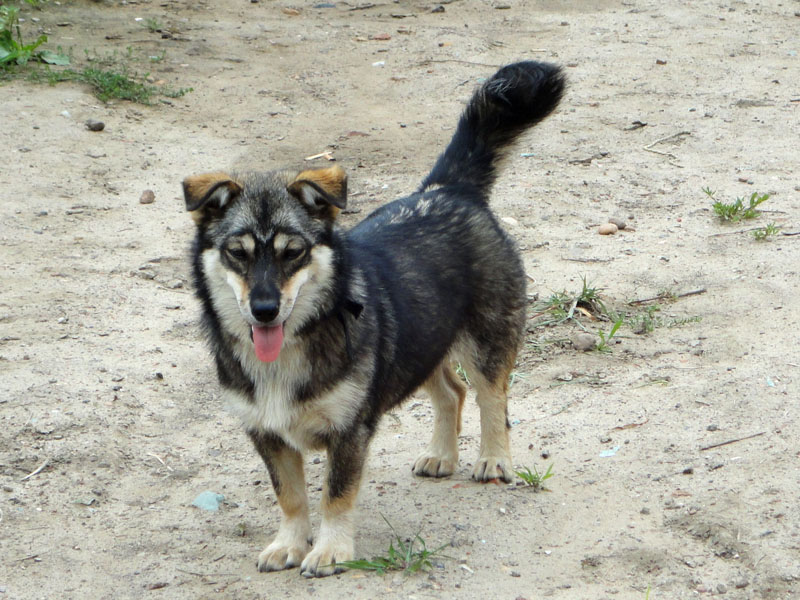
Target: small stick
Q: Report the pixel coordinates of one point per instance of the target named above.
(631, 425)
(159, 459)
(734, 232)
(589, 260)
(326, 155)
(663, 297)
(29, 557)
(788, 233)
(37, 470)
(732, 441)
(649, 147)
(666, 139)
(455, 60)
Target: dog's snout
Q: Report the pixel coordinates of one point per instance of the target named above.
(265, 310)
(264, 306)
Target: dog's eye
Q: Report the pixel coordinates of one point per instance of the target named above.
(237, 253)
(293, 253)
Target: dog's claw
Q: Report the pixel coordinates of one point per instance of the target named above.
(322, 562)
(277, 557)
(492, 467)
(428, 465)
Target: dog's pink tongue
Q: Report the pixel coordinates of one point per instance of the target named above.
(268, 341)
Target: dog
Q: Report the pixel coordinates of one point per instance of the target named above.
(317, 332)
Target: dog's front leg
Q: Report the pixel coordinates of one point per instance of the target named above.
(346, 457)
(285, 466)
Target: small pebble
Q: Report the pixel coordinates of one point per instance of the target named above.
(712, 427)
(740, 584)
(509, 221)
(584, 341)
(94, 125)
(607, 229)
(208, 500)
(722, 588)
(147, 197)
(620, 223)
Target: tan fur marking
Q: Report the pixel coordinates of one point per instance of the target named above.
(459, 388)
(447, 396)
(197, 186)
(331, 179)
(332, 508)
(248, 243)
(292, 497)
(494, 461)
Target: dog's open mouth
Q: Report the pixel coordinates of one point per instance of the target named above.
(268, 342)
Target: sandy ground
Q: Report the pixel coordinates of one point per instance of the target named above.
(110, 418)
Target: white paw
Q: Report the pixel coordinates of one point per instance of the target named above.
(493, 467)
(323, 558)
(430, 465)
(279, 555)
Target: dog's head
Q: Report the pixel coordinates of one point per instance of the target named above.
(265, 245)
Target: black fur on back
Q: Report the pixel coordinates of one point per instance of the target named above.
(517, 97)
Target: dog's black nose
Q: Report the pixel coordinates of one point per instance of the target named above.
(264, 309)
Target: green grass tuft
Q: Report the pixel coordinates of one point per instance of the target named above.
(736, 211)
(401, 556)
(764, 233)
(533, 478)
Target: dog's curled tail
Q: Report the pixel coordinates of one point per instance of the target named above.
(517, 97)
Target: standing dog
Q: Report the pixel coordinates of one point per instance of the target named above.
(317, 332)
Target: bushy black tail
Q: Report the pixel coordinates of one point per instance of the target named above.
(516, 97)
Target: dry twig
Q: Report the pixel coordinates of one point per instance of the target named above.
(37, 470)
(668, 296)
(748, 437)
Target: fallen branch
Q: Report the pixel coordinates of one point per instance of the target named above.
(668, 297)
(733, 441)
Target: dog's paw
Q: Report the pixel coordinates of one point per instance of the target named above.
(430, 465)
(493, 467)
(323, 558)
(278, 556)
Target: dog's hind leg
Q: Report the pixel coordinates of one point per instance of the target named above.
(447, 395)
(494, 461)
(285, 466)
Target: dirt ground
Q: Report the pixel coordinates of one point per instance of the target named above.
(110, 418)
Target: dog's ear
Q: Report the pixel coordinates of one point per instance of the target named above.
(322, 191)
(210, 192)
